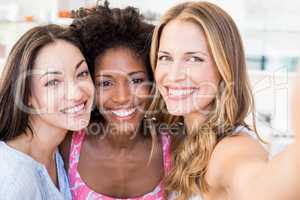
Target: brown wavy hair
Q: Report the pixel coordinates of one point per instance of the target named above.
(15, 81)
(232, 104)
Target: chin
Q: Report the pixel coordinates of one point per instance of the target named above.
(177, 111)
(128, 128)
(77, 125)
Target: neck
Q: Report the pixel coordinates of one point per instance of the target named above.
(122, 141)
(194, 120)
(42, 144)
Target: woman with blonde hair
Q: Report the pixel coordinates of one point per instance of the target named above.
(199, 63)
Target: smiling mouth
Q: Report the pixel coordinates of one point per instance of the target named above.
(75, 110)
(124, 113)
(178, 94)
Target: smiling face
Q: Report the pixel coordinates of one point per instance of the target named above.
(62, 89)
(186, 74)
(122, 88)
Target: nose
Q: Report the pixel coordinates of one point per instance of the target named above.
(73, 91)
(177, 72)
(122, 94)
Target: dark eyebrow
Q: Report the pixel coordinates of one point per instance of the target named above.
(60, 73)
(110, 76)
(137, 72)
(104, 75)
(79, 63)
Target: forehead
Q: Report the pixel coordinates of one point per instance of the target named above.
(182, 35)
(59, 55)
(121, 60)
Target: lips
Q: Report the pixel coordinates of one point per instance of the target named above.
(123, 113)
(76, 109)
(178, 93)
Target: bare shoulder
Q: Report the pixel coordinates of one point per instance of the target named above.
(233, 157)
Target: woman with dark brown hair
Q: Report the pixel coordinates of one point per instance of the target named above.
(45, 90)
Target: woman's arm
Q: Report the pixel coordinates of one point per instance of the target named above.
(241, 165)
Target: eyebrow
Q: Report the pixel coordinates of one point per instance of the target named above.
(188, 53)
(195, 52)
(164, 52)
(102, 75)
(129, 74)
(137, 72)
(79, 63)
(60, 73)
(53, 72)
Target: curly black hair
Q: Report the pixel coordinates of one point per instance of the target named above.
(102, 28)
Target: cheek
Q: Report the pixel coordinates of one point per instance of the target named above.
(208, 81)
(141, 92)
(159, 74)
(102, 97)
(212, 83)
(88, 88)
(47, 100)
(142, 98)
(205, 76)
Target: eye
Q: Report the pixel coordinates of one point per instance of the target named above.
(83, 73)
(53, 82)
(164, 58)
(105, 83)
(195, 59)
(137, 80)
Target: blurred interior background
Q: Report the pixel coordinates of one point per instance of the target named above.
(270, 30)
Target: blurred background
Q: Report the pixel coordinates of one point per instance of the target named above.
(270, 31)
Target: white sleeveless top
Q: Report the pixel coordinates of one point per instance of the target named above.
(237, 130)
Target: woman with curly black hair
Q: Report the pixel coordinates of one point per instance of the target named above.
(118, 156)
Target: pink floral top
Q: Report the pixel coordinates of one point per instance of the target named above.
(80, 191)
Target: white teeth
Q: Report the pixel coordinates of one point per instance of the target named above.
(75, 109)
(175, 92)
(124, 113)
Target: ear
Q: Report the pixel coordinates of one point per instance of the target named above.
(30, 102)
(31, 105)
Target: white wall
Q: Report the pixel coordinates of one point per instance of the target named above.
(36, 8)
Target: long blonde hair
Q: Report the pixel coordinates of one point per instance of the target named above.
(233, 102)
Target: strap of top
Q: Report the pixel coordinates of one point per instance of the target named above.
(240, 128)
(76, 143)
(166, 143)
